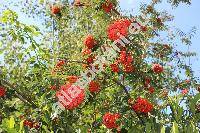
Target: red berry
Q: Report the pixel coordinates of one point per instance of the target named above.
(122, 57)
(115, 68)
(129, 68)
(94, 86)
(184, 91)
(60, 63)
(28, 123)
(125, 58)
(2, 91)
(109, 120)
(151, 90)
(25, 123)
(107, 6)
(55, 9)
(129, 59)
(144, 28)
(73, 96)
(89, 42)
(90, 59)
(157, 68)
(142, 105)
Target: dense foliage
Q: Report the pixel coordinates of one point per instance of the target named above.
(149, 87)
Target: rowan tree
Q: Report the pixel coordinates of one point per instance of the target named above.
(148, 85)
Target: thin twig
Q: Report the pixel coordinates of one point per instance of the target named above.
(74, 61)
(118, 83)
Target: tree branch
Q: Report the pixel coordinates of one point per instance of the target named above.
(19, 95)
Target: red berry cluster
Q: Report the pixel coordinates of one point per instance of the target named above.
(28, 123)
(90, 42)
(126, 59)
(94, 86)
(55, 9)
(60, 63)
(107, 6)
(147, 82)
(115, 68)
(109, 120)
(74, 101)
(157, 68)
(2, 91)
(142, 105)
(31, 124)
(118, 27)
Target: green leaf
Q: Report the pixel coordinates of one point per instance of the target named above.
(41, 1)
(175, 128)
(162, 129)
(188, 72)
(11, 130)
(148, 127)
(193, 102)
(180, 112)
(33, 46)
(11, 122)
(21, 126)
(4, 123)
